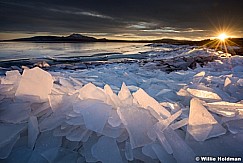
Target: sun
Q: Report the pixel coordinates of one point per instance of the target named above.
(222, 37)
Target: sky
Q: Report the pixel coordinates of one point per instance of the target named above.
(122, 19)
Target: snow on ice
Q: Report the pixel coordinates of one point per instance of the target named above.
(83, 116)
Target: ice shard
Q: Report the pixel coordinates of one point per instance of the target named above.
(147, 101)
(203, 94)
(33, 131)
(200, 122)
(106, 150)
(90, 91)
(138, 122)
(35, 82)
(94, 112)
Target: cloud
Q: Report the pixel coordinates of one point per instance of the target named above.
(141, 18)
(85, 13)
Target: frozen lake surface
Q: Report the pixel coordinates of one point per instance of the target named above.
(125, 111)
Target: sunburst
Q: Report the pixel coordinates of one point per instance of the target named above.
(222, 42)
(222, 37)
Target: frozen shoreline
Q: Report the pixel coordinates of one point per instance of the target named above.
(155, 116)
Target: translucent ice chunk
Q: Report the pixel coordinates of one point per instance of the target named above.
(235, 126)
(227, 82)
(138, 155)
(65, 156)
(106, 150)
(77, 134)
(59, 131)
(114, 120)
(114, 99)
(148, 151)
(113, 132)
(128, 151)
(240, 82)
(33, 131)
(65, 83)
(179, 124)
(12, 77)
(162, 155)
(133, 117)
(125, 95)
(203, 94)
(95, 113)
(6, 149)
(90, 91)
(200, 74)
(225, 105)
(145, 100)
(21, 155)
(9, 131)
(200, 121)
(164, 142)
(39, 108)
(50, 154)
(51, 122)
(181, 151)
(35, 82)
(86, 152)
(79, 120)
(14, 112)
(46, 141)
(37, 157)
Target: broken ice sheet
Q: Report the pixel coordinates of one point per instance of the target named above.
(6, 149)
(113, 98)
(201, 122)
(125, 95)
(35, 82)
(106, 150)
(138, 122)
(148, 151)
(58, 101)
(59, 131)
(90, 91)
(227, 82)
(14, 112)
(46, 141)
(9, 131)
(64, 156)
(179, 124)
(113, 132)
(95, 113)
(51, 122)
(235, 126)
(225, 104)
(224, 108)
(139, 155)
(162, 155)
(114, 120)
(77, 134)
(203, 94)
(181, 151)
(163, 141)
(39, 108)
(86, 150)
(12, 77)
(128, 151)
(145, 100)
(33, 131)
